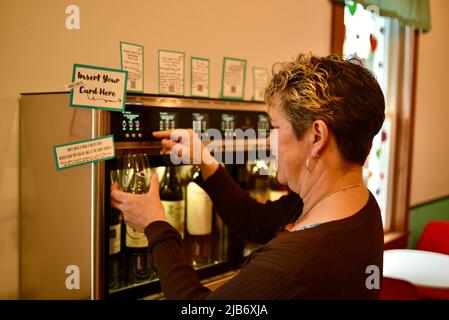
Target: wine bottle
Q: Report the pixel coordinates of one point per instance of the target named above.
(115, 249)
(172, 199)
(198, 240)
(138, 264)
(198, 208)
(136, 243)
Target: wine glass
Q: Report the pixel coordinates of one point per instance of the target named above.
(142, 173)
(126, 175)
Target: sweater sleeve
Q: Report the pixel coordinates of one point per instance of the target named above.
(180, 282)
(178, 278)
(248, 218)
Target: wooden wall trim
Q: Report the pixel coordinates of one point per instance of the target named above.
(338, 31)
(395, 240)
(404, 149)
(412, 122)
(400, 182)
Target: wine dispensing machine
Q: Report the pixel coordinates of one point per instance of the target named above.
(67, 223)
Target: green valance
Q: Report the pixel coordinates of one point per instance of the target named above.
(409, 12)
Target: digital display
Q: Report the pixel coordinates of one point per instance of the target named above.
(131, 121)
(137, 123)
(228, 124)
(263, 125)
(200, 121)
(167, 120)
(228, 121)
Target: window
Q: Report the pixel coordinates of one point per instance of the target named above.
(367, 38)
(387, 49)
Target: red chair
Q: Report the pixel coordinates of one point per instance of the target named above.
(395, 289)
(435, 237)
(433, 294)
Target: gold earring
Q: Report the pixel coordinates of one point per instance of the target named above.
(308, 159)
(307, 164)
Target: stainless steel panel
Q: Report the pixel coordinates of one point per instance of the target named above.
(101, 128)
(55, 206)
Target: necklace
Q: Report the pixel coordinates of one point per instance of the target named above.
(301, 217)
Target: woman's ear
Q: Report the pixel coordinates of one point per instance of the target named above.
(319, 136)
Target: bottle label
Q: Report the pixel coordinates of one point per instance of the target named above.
(199, 211)
(135, 239)
(198, 251)
(114, 238)
(174, 211)
(139, 267)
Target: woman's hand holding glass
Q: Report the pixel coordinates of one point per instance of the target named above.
(139, 210)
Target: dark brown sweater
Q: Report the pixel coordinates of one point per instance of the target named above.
(328, 261)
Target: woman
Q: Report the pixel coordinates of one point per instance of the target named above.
(322, 238)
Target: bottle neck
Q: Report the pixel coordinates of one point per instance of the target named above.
(170, 188)
(170, 173)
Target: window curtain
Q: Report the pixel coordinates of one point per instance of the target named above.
(415, 13)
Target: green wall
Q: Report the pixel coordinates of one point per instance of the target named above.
(423, 213)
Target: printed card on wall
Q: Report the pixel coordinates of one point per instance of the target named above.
(233, 79)
(131, 56)
(78, 153)
(171, 72)
(100, 88)
(260, 80)
(199, 77)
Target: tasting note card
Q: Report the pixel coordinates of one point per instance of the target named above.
(132, 61)
(171, 72)
(75, 154)
(260, 78)
(101, 88)
(233, 80)
(199, 77)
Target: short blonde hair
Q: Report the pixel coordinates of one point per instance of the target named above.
(343, 94)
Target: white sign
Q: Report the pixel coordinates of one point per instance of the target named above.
(260, 77)
(82, 152)
(199, 84)
(171, 72)
(102, 88)
(132, 61)
(233, 80)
